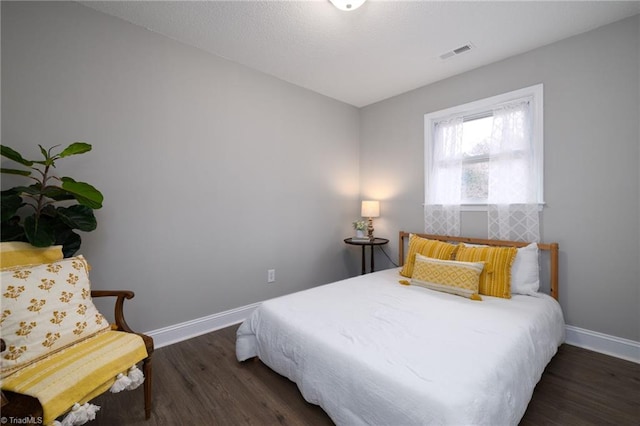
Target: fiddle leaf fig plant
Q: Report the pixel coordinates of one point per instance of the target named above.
(43, 222)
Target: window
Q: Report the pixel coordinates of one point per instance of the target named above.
(486, 152)
(476, 133)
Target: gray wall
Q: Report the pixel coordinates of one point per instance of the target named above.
(591, 164)
(212, 173)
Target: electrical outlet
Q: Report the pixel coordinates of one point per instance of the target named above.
(271, 275)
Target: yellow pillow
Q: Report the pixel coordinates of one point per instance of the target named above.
(495, 279)
(45, 308)
(18, 253)
(429, 248)
(450, 276)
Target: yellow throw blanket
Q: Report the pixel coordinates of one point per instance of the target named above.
(79, 373)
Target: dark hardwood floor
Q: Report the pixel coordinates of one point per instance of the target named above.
(199, 382)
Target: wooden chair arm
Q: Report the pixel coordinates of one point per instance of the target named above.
(3, 399)
(121, 295)
(121, 323)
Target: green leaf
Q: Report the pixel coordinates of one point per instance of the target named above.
(10, 202)
(40, 233)
(71, 245)
(15, 172)
(11, 230)
(58, 194)
(44, 152)
(48, 159)
(11, 154)
(83, 192)
(69, 240)
(75, 148)
(31, 189)
(78, 217)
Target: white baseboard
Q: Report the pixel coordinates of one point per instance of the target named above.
(587, 339)
(186, 330)
(603, 343)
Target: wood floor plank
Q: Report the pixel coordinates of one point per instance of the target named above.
(586, 388)
(199, 381)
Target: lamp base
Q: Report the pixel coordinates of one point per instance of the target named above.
(370, 229)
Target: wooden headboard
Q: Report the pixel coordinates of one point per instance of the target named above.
(552, 248)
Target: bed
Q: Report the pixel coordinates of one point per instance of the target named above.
(369, 350)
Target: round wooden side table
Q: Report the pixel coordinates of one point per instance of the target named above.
(363, 244)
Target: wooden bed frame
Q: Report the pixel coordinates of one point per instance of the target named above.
(552, 248)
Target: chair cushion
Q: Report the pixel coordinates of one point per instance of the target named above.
(78, 373)
(45, 308)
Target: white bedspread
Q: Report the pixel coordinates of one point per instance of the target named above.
(371, 351)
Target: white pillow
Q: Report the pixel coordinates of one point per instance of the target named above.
(525, 271)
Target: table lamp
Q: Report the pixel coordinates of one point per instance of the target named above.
(370, 209)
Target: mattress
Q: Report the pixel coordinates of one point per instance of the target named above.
(371, 351)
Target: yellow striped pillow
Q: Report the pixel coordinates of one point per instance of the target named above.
(450, 276)
(18, 253)
(429, 248)
(495, 279)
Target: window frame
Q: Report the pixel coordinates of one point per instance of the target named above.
(479, 107)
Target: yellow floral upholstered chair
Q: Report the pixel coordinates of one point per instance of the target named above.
(58, 351)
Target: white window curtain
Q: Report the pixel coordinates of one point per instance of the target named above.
(512, 199)
(442, 206)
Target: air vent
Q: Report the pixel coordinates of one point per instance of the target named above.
(458, 51)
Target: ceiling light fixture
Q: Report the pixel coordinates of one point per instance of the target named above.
(347, 5)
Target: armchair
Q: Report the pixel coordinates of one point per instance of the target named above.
(58, 351)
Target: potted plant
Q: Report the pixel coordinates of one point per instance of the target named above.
(360, 226)
(42, 221)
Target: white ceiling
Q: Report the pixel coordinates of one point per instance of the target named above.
(382, 49)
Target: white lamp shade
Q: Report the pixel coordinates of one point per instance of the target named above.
(347, 5)
(370, 209)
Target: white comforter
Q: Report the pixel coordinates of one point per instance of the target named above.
(371, 351)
